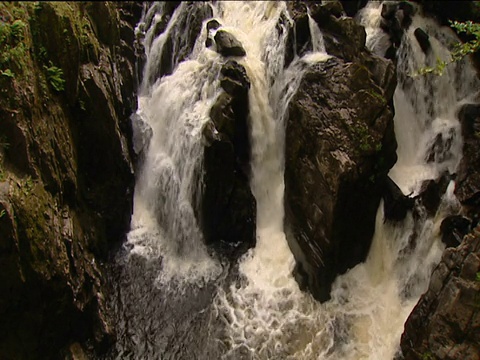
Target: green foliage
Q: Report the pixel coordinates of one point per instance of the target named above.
(12, 48)
(55, 77)
(2, 213)
(471, 29)
(365, 141)
(3, 176)
(27, 185)
(427, 356)
(7, 73)
(459, 51)
(477, 276)
(17, 30)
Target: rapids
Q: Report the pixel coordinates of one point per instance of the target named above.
(176, 300)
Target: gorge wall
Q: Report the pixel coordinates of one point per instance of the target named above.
(66, 177)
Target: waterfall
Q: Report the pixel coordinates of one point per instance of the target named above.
(176, 300)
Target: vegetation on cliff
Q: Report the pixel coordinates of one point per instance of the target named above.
(67, 91)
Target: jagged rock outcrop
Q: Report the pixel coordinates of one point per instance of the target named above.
(395, 203)
(340, 145)
(468, 175)
(445, 324)
(453, 229)
(228, 207)
(66, 179)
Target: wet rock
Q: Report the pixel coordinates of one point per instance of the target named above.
(469, 116)
(453, 229)
(393, 28)
(352, 7)
(445, 322)
(389, 10)
(467, 187)
(396, 17)
(343, 37)
(184, 34)
(228, 45)
(423, 39)
(227, 206)
(395, 203)
(333, 173)
(440, 149)
(431, 193)
(213, 25)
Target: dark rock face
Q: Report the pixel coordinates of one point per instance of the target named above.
(444, 11)
(423, 39)
(351, 7)
(453, 229)
(340, 145)
(228, 207)
(62, 207)
(344, 38)
(468, 180)
(396, 17)
(431, 193)
(185, 31)
(445, 322)
(395, 203)
(228, 45)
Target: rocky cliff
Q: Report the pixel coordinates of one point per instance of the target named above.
(445, 324)
(340, 145)
(66, 179)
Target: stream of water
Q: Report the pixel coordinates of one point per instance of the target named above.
(176, 300)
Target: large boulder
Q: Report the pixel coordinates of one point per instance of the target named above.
(340, 145)
(445, 322)
(228, 45)
(227, 206)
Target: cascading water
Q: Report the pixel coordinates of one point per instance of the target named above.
(175, 300)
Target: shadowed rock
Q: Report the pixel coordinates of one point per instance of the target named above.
(395, 203)
(227, 206)
(453, 229)
(228, 45)
(423, 39)
(339, 126)
(444, 323)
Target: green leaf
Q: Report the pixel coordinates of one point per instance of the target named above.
(7, 73)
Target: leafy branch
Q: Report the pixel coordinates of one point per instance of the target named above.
(459, 51)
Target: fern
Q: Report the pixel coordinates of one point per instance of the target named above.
(55, 77)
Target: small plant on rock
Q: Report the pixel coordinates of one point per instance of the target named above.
(55, 77)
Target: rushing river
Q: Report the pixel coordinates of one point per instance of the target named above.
(174, 299)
